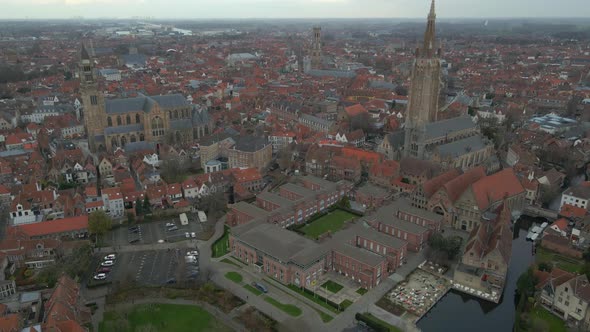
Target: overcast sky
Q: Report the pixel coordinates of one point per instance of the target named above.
(291, 8)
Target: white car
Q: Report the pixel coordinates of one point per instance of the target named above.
(170, 224)
(161, 241)
(193, 234)
(110, 257)
(100, 276)
(192, 253)
(107, 263)
(187, 235)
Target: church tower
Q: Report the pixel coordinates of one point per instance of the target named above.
(93, 101)
(424, 91)
(316, 48)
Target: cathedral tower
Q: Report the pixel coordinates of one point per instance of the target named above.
(93, 101)
(424, 91)
(316, 48)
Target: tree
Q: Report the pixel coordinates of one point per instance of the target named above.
(147, 207)
(99, 223)
(138, 207)
(525, 285)
(544, 266)
(130, 218)
(400, 90)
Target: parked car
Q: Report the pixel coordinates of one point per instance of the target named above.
(173, 228)
(133, 228)
(104, 270)
(187, 235)
(171, 281)
(170, 224)
(192, 253)
(110, 257)
(134, 240)
(100, 276)
(193, 234)
(260, 287)
(107, 263)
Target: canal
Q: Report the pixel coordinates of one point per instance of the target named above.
(458, 312)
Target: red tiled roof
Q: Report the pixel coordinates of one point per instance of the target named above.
(55, 226)
(570, 211)
(10, 323)
(355, 110)
(561, 224)
(493, 188)
(431, 186)
(457, 186)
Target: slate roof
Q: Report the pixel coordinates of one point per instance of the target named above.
(144, 103)
(458, 148)
(124, 129)
(445, 127)
(397, 138)
(180, 124)
(250, 143)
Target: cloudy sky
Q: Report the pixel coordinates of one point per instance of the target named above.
(291, 8)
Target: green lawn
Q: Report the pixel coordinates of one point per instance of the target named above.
(553, 322)
(253, 290)
(221, 246)
(332, 286)
(362, 291)
(234, 276)
(555, 259)
(333, 221)
(374, 322)
(161, 317)
(288, 308)
(345, 304)
(324, 316)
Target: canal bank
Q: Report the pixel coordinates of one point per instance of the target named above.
(460, 312)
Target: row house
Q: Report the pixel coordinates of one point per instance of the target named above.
(565, 294)
(112, 199)
(315, 123)
(393, 249)
(281, 140)
(33, 254)
(71, 228)
(360, 265)
(355, 138)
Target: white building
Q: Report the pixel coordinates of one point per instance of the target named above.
(113, 202)
(577, 196)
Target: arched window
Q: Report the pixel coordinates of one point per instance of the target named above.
(176, 114)
(137, 118)
(132, 138)
(128, 119)
(123, 141)
(157, 126)
(119, 122)
(114, 142)
(109, 121)
(141, 137)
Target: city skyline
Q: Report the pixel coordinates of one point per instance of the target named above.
(269, 9)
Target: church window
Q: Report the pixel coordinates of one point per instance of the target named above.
(157, 126)
(87, 68)
(137, 119)
(109, 121)
(132, 138)
(176, 114)
(119, 122)
(141, 137)
(128, 119)
(93, 100)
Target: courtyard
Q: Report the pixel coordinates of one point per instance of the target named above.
(413, 297)
(331, 222)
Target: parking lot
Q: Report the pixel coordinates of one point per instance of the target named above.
(152, 232)
(154, 267)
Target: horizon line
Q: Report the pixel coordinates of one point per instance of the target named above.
(150, 18)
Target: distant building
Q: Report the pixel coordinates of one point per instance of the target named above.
(118, 122)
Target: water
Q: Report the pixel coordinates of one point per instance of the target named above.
(458, 312)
